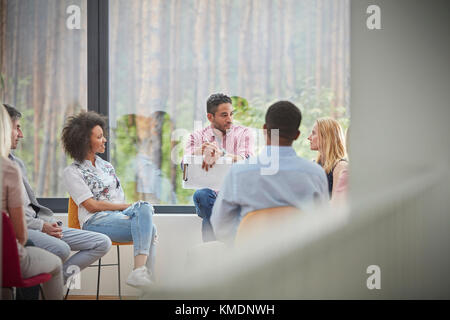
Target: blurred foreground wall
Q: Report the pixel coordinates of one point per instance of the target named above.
(399, 219)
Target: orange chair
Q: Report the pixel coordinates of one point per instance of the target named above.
(257, 222)
(75, 223)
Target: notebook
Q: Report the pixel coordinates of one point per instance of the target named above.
(194, 177)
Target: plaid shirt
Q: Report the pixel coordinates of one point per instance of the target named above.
(238, 140)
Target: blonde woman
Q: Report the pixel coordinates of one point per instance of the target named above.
(327, 137)
(33, 260)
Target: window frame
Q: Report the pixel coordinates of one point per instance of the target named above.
(98, 91)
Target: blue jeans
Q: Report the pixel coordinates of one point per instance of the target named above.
(204, 201)
(132, 224)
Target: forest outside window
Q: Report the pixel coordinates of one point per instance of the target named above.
(43, 70)
(167, 57)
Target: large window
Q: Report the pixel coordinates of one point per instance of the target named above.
(43, 70)
(149, 65)
(166, 58)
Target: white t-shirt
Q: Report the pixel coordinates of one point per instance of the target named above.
(84, 181)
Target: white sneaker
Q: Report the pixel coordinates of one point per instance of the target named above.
(140, 277)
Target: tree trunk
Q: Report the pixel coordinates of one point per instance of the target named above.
(223, 52)
(268, 70)
(244, 57)
(342, 53)
(334, 6)
(289, 55)
(201, 58)
(36, 87)
(146, 60)
(3, 46)
(212, 46)
(46, 109)
(255, 53)
(16, 51)
(174, 80)
(318, 62)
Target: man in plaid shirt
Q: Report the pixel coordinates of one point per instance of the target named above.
(220, 139)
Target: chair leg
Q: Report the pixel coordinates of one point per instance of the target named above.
(98, 277)
(118, 271)
(42, 292)
(67, 293)
(3, 294)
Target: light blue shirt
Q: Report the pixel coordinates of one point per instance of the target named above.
(248, 187)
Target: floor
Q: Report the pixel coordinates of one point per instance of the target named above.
(93, 297)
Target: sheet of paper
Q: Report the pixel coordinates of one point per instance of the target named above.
(197, 178)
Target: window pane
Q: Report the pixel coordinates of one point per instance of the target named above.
(167, 57)
(44, 75)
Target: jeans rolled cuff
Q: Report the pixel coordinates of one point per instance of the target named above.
(145, 252)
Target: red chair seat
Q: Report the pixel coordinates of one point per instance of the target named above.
(28, 282)
(11, 273)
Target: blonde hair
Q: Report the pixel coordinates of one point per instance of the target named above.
(331, 143)
(5, 132)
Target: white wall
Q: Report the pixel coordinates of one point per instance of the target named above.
(177, 234)
(400, 173)
(400, 93)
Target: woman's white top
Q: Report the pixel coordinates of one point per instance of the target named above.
(100, 182)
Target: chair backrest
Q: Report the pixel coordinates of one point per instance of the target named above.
(10, 257)
(72, 218)
(262, 221)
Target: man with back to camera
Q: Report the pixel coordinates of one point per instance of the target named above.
(220, 139)
(297, 182)
(45, 231)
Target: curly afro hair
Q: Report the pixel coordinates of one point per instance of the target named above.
(76, 134)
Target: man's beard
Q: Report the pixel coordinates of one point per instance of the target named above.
(223, 129)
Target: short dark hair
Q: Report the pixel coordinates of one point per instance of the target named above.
(13, 112)
(284, 116)
(215, 100)
(76, 134)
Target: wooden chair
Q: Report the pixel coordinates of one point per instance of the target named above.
(75, 223)
(261, 221)
(11, 273)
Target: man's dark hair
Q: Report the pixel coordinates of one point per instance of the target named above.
(76, 134)
(215, 100)
(286, 117)
(13, 112)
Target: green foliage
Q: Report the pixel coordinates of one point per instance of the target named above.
(124, 152)
(245, 115)
(2, 86)
(313, 103)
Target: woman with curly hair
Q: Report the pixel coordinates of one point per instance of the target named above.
(327, 137)
(93, 185)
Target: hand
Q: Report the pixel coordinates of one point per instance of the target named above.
(52, 229)
(200, 150)
(211, 154)
(126, 206)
